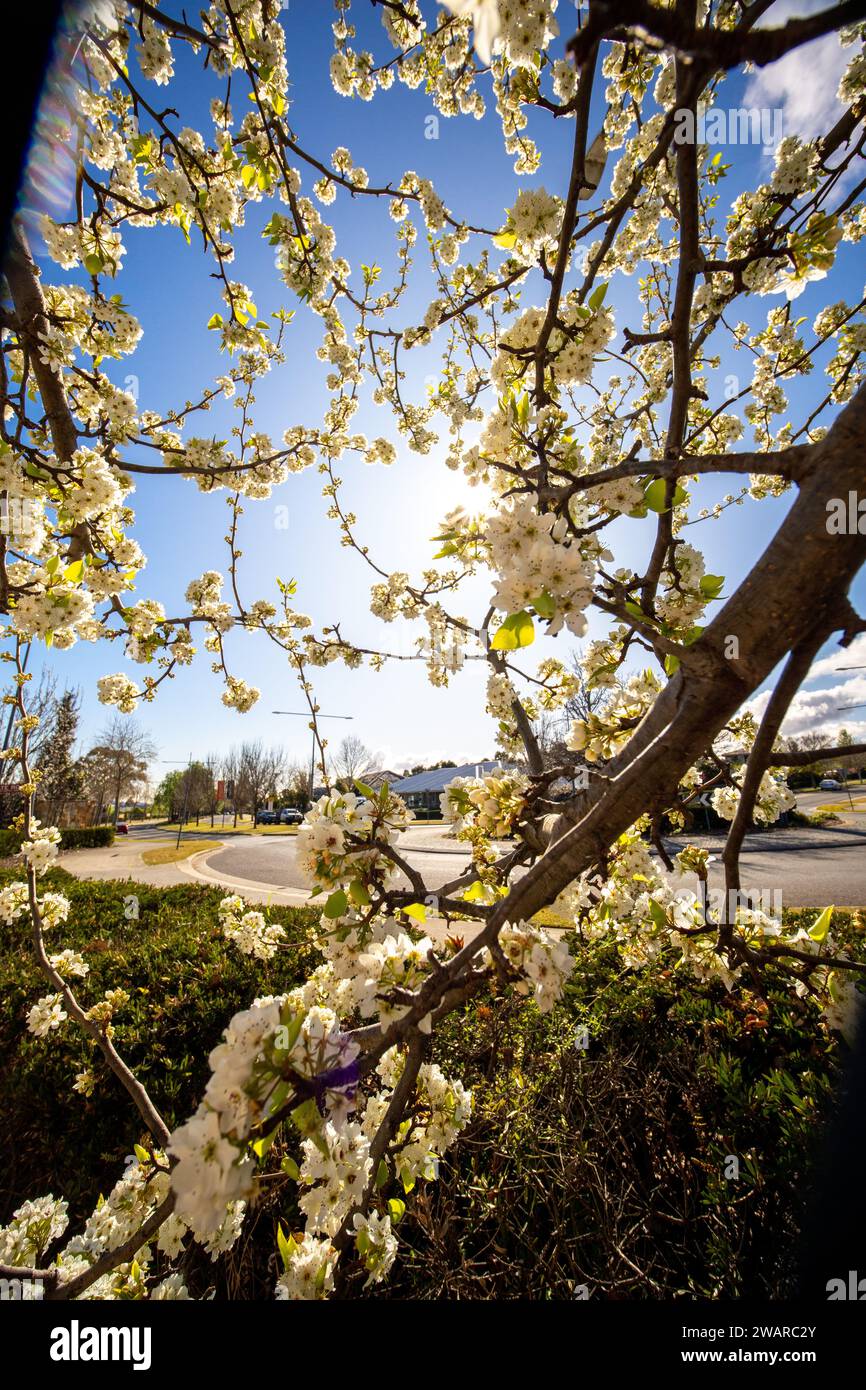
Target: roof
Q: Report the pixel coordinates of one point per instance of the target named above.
(438, 779)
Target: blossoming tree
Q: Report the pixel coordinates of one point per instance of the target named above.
(576, 422)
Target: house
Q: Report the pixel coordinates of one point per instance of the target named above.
(421, 792)
(376, 779)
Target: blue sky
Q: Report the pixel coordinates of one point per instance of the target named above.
(396, 713)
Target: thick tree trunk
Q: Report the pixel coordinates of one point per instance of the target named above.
(798, 586)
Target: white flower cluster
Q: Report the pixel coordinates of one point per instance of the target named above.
(774, 797)
(46, 1015)
(571, 348)
(41, 849)
(248, 930)
(33, 1227)
(546, 962)
(538, 566)
(600, 736)
(214, 1167)
(239, 695)
(534, 222)
(118, 690)
(15, 902)
(309, 1269)
(442, 1110)
(492, 804)
(342, 834)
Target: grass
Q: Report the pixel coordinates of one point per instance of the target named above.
(172, 827)
(858, 807)
(170, 854)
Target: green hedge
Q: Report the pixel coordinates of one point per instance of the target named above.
(72, 837)
(602, 1166)
(185, 982)
(86, 836)
(606, 1166)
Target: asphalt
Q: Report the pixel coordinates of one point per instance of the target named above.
(808, 866)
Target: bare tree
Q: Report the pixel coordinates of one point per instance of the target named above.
(127, 749)
(353, 758)
(260, 771)
(297, 789)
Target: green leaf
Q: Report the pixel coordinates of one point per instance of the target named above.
(596, 299)
(396, 1209)
(407, 1180)
(609, 668)
(417, 911)
(215, 321)
(475, 892)
(73, 572)
(382, 1174)
(517, 631)
(365, 790)
(141, 1154)
(358, 893)
(658, 913)
(820, 927)
(712, 584)
(544, 605)
(261, 1146)
(93, 263)
(505, 240)
(655, 495)
(671, 664)
(286, 1246)
(289, 1166)
(306, 1119)
(336, 904)
(637, 612)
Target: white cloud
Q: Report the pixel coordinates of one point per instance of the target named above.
(822, 711)
(803, 83)
(855, 655)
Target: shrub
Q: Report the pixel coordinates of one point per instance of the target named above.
(86, 836)
(602, 1166)
(605, 1167)
(184, 984)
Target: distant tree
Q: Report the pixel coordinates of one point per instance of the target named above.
(260, 772)
(352, 759)
(166, 800)
(297, 790)
(127, 749)
(61, 777)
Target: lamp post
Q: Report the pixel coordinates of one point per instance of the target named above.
(302, 714)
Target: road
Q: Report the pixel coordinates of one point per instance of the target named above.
(809, 867)
(270, 859)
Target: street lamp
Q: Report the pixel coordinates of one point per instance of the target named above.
(303, 714)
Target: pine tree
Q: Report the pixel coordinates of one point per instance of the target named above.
(61, 777)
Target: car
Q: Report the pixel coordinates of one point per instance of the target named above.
(122, 828)
(829, 784)
(266, 818)
(290, 816)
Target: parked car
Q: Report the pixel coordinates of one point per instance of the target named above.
(830, 784)
(122, 828)
(266, 818)
(290, 816)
